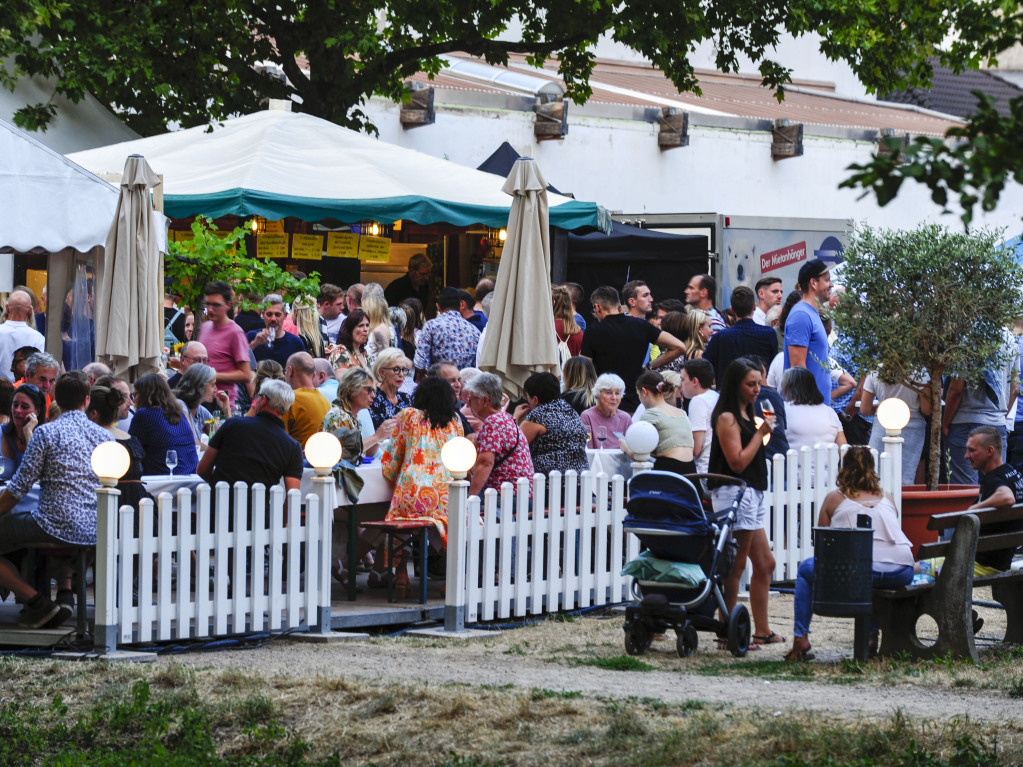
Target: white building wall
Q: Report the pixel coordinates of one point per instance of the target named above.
(617, 163)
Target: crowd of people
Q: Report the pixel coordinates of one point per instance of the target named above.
(394, 374)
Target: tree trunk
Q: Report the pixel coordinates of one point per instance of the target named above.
(935, 461)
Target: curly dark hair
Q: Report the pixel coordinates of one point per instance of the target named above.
(153, 391)
(436, 398)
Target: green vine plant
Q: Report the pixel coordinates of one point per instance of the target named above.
(212, 256)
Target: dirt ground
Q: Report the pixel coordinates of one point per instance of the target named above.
(556, 655)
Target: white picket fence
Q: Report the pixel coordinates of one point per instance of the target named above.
(523, 561)
(796, 492)
(175, 578)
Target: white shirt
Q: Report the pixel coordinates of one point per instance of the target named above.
(13, 335)
(332, 327)
(760, 316)
(700, 409)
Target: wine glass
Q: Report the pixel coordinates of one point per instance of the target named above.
(172, 460)
(601, 436)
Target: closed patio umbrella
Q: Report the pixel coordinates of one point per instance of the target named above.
(129, 279)
(520, 338)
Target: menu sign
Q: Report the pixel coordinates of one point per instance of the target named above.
(272, 245)
(342, 245)
(308, 246)
(375, 249)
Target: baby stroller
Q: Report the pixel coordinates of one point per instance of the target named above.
(678, 578)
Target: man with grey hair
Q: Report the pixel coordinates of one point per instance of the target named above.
(414, 284)
(256, 448)
(323, 378)
(96, 370)
(41, 371)
(17, 330)
(273, 342)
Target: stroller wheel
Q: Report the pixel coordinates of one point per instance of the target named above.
(738, 631)
(637, 638)
(686, 640)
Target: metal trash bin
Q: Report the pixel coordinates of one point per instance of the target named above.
(842, 574)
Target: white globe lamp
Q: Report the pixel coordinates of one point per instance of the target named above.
(323, 451)
(642, 439)
(110, 461)
(893, 414)
(458, 456)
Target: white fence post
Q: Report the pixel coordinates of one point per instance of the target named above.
(105, 635)
(454, 597)
(322, 489)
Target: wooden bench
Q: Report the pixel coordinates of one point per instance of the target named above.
(949, 599)
(401, 533)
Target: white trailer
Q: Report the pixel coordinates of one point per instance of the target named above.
(742, 249)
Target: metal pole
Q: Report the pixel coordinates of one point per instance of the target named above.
(454, 598)
(105, 636)
(322, 488)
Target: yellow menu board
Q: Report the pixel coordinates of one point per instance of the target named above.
(272, 245)
(342, 245)
(375, 249)
(308, 246)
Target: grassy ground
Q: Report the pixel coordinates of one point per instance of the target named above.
(171, 713)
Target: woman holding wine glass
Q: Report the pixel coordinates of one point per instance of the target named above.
(161, 425)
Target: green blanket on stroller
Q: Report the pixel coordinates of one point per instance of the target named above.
(647, 567)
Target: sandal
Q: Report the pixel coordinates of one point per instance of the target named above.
(771, 638)
(723, 645)
(799, 656)
(378, 580)
(339, 572)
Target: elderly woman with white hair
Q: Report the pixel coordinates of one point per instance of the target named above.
(605, 415)
(390, 369)
(503, 450)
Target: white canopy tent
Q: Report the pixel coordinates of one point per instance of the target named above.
(276, 164)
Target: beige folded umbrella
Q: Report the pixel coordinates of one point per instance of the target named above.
(520, 338)
(129, 279)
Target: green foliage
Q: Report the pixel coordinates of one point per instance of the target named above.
(210, 256)
(970, 165)
(927, 300)
(160, 61)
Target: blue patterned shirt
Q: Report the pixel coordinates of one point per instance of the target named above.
(58, 457)
(447, 337)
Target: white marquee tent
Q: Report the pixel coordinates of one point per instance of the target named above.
(277, 164)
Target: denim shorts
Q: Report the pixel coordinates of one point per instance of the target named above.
(751, 512)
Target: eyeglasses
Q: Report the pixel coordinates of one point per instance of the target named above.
(401, 372)
(200, 360)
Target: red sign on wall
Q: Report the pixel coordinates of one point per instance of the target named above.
(777, 259)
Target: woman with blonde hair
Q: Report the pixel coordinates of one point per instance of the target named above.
(307, 323)
(697, 333)
(382, 334)
(565, 326)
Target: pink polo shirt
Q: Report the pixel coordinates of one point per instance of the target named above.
(227, 348)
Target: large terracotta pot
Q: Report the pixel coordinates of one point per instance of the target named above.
(919, 503)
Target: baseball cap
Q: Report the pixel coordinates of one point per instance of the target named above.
(812, 269)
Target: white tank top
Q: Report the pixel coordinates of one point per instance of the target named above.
(892, 549)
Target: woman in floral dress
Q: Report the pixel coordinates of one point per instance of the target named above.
(413, 464)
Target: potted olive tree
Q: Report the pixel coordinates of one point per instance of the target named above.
(927, 299)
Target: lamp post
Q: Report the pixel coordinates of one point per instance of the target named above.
(458, 456)
(110, 461)
(642, 439)
(323, 451)
(893, 415)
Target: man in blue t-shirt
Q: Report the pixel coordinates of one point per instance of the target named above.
(273, 342)
(806, 340)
